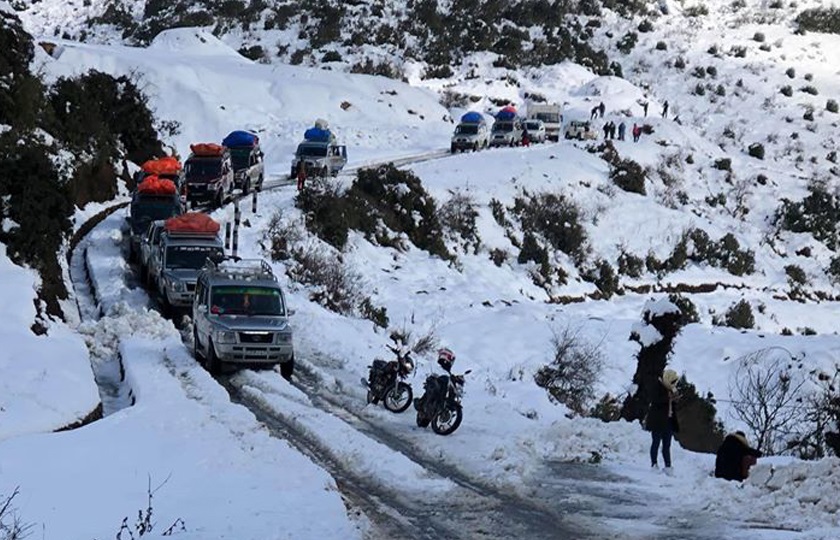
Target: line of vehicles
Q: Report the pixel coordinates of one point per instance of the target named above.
(543, 122)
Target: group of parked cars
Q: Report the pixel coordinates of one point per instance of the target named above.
(239, 311)
(543, 122)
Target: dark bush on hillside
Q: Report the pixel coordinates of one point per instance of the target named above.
(331, 56)
(556, 219)
(687, 308)
(739, 315)
(630, 265)
(797, 280)
(786, 90)
(696, 246)
(723, 164)
(661, 46)
(696, 10)
(790, 72)
(823, 19)
(629, 176)
(700, 430)
(759, 37)
(383, 68)
(628, 42)
(756, 150)
(646, 26)
(831, 106)
(254, 52)
(810, 89)
(604, 277)
(458, 218)
(679, 63)
(818, 214)
(97, 113)
(833, 269)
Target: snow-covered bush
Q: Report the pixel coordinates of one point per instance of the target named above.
(831, 106)
(629, 176)
(822, 19)
(786, 90)
(661, 323)
(756, 150)
(630, 265)
(700, 429)
(604, 277)
(697, 10)
(687, 308)
(739, 315)
(573, 371)
(696, 246)
(818, 214)
(556, 219)
(627, 42)
(797, 280)
(458, 219)
(790, 72)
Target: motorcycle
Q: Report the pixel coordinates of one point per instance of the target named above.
(385, 381)
(440, 403)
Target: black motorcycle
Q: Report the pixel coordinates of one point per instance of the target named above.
(384, 382)
(440, 404)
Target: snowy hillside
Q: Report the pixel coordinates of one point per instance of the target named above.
(559, 241)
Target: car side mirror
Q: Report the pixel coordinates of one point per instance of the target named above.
(202, 307)
(290, 312)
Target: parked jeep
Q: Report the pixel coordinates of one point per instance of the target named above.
(208, 174)
(580, 130)
(247, 159)
(536, 130)
(153, 199)
(184, 246)
(241, 318)
(507, 128)
(148, 243)
(319, 158)
(471, 133)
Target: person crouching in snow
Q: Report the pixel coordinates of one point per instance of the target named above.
(735, 457)
(661, 418)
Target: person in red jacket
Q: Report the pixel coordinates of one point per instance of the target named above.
(301, 175)
(637, 132)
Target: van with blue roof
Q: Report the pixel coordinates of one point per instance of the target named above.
(318, 153)
(247, 159)
(507, 128)
(471, 133)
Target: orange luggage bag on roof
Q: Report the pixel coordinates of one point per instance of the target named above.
(207, 149)
(164, 165)
(154, 185)
(192, 222)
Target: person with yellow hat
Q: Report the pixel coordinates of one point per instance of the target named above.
(661, 419)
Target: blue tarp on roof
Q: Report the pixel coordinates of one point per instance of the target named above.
(505, 115)
(317, 134)
(472, 118)
(240, 138)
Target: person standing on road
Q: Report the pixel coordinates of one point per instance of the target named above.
(661, 418)
(526, 138)
(602, 109)
(645, 107)
(621, 129)
(301, 175)
(665, 109)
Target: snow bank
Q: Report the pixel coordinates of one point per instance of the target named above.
(45, 381)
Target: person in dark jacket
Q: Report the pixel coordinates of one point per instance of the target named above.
(621, 129)
(661, 417)
(602, 109)
(735, 457)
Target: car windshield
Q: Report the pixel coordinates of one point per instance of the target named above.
(503, 127)
(549, 118)
(237, 300)
(191, 257)
(467, 129)
(240, 158)
(313, 150)
(532, 126)
(204, 168)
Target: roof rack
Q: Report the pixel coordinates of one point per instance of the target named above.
(240, 268)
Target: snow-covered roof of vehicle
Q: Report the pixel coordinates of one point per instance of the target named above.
(242, 269)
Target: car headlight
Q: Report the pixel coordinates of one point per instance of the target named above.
(176, 286)
(225, 336)
(284, 337)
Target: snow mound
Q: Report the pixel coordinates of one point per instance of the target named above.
(192, 42)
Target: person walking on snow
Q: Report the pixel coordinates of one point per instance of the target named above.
(621, 129)
(594, 113)
(665, 109)
(606, 129)
(526, 138)
(735, 457)
(661, 418)
(612, 130)
(602, 108)
(645, 107)
(301, 175)
(637, 132)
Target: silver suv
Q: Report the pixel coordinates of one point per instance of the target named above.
(176, 262)
(319, 158)
(240, 317)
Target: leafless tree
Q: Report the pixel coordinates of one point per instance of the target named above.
(767, 396)
(11, 526)
(571, 375)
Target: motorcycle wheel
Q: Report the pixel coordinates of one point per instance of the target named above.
(447, 420)
(398, 399)
(371, 398)
(422, 421)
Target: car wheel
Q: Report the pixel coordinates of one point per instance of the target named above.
(452, 149)
(197, 354)
(213, 364)
(287, 368)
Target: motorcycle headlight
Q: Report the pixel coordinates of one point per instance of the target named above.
(225, 336)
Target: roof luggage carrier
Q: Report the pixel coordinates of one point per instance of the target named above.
(237, 268)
